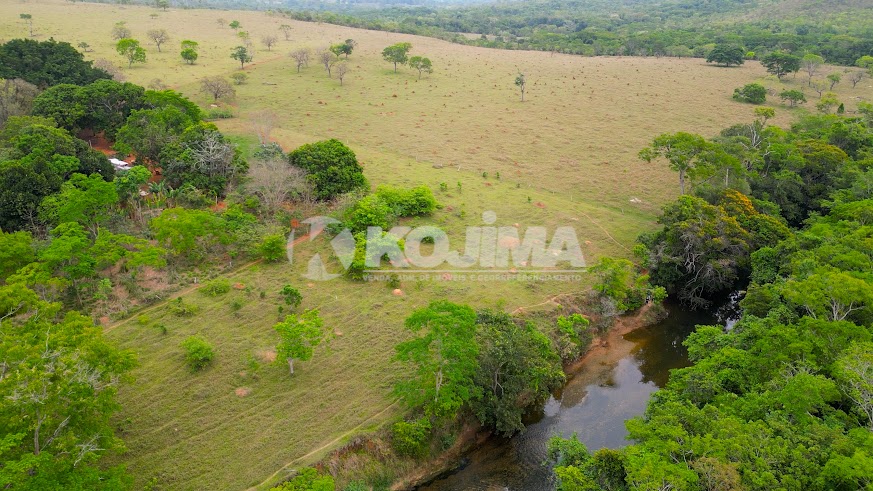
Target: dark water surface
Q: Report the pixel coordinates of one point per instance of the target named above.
(594, 404)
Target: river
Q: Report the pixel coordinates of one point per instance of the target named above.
(610, 387)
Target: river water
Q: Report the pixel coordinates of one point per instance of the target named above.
(595, 402)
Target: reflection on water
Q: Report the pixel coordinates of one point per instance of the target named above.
(594, 404)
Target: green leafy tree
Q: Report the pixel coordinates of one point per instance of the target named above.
(751, 93)
(131, 51)
(398, 54)
(521, 83)
(422, 64)
(59, 386)
(273, 247)
(727, 55)
(87, 200)
(794, 97)
(780, 64)
(518, 370)
(307, 479)
(855, 374)
(16, 250)
(189, 51)
(46, 63)
(332, 168)
(684, 151)
(28, 19)
(242, 55)
(443, 358)
(291, 295)
(299, 335)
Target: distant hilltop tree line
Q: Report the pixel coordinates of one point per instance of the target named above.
(603, 39)
(598, 28)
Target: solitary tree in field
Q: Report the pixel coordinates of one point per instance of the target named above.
(162, 4)
(521, 83)
(299, 335)
(397, 54)
(235, 25)
(239, 78)
(727, 55)
(120, 31)
(87, 47)
(341, 70)
(327, 59)
(286, 31)
(269, 41)
(300, 56)
(794, 97)
(834, 79)
(158, 36)
(217, 87)
(345, 48)
(682, 150)
(855, 76)
(131, 50)
(29, 20)
(819, 86)
(242, 55)
(781, 64)
(422, 64)
(189, 51)
(811, 63)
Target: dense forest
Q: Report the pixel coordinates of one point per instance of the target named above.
(784, 398)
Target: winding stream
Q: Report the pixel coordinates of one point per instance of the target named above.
(610, 387)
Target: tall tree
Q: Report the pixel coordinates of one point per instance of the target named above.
(422, 64)
(682, 150)
(780, 64)
(726, 55)
(131, 51)
(397, 54)
(811, 63)
(242, 55)
(443, 358)
(59, 387)
(299, 335)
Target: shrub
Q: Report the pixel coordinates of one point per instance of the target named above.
(308, 479)
(413, 202)
(239, 78)
(143, 319)
(218, 113)
(411, 438)
(198, 352)
(332, 168)
(181, 309)
(370, 211)
(215, 287)
(751, 93)
(291, 295)
(272, 248)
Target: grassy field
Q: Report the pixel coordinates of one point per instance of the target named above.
(566, 156)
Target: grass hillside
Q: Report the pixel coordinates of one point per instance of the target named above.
(566, 156)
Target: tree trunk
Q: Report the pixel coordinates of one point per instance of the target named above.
(682, 181)
(291, 365)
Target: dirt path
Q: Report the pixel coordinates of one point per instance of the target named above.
(190, 289)
(267, 482)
